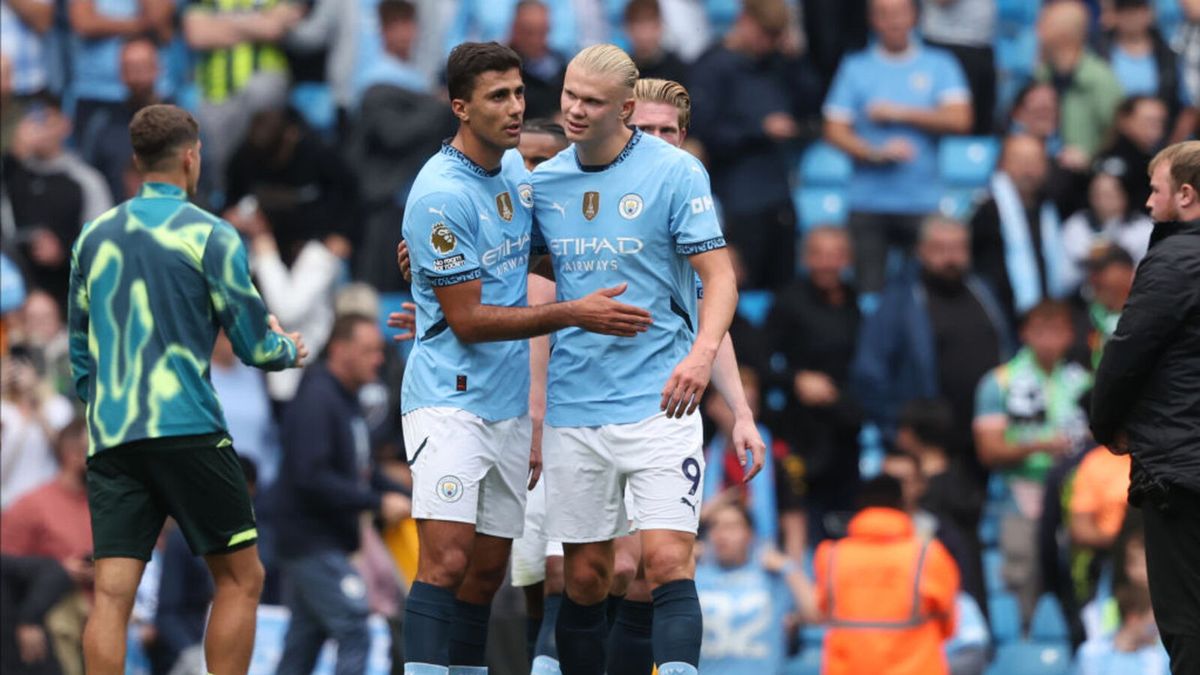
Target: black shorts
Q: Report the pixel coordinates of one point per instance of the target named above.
(196, 480)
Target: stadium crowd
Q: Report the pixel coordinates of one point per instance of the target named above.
(937, 211)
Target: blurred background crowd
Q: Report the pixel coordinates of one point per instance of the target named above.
(936, 208)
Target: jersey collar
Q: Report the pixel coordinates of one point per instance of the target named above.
(454, 153)
(594, 168)
(161, 191)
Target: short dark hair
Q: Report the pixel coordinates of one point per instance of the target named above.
(929, 419)
(391, 11)
(158, 131)
(882, 491)
(471, 59)
(345, 324)
(1048, 310)
(1130, 104)
(642, 10)
(543, 125)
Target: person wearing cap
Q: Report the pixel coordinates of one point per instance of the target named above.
(1146, 400)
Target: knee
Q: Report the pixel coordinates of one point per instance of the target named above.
(668, 563)
(445, 568)
(588, 581)
(485, 581)
(624, 572)
(247, 581)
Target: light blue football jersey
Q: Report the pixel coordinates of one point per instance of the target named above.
(636, 220)
(463, 222)
(744, 610)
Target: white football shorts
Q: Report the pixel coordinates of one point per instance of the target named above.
(529, 553)
(469, 470)
(658, 460)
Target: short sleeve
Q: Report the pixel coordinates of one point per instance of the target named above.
(441, 239)
(840, 103)
(989, 400)
(693, 218)
(950, 83)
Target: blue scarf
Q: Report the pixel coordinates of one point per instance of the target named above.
(1019, 253)
(761, 489)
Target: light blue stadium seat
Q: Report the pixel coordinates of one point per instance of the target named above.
(314, 100)
(1049, 624)
(388, 303)
(754, 305)
(823, 164)
(721, 14)
(1170, 16)
(960, 203)
(807, 663)
(1005, 617)
(993, 564)
(967, 161)
(997, 489)
(821, 206)
(1032, 658)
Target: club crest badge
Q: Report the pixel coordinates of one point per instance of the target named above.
(442, 238)
(630, 206)
(525, 194)
(591, 204)
(504, 206)
(449, 488)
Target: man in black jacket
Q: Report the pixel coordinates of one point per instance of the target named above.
(1146, 399)
(325, 486)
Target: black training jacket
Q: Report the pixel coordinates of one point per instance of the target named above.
(1148, 381)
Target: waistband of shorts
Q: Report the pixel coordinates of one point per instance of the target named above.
(171, 444)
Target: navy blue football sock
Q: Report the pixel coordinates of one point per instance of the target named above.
(581, 631)
(547, 643)
(468, 634)
(629, 646)
(533, 626)
(427, 616)
(678, 625)
(610, 611)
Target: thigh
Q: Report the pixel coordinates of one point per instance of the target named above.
(205, 491)
(663, 459)
(1172, 549)
(583, 488)
(502, 494)
(126, 516)
(452, 457)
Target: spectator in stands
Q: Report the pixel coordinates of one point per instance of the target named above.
(105, 141)
(53, 521)
(52, 192)
(885, 576)
(1136, 649)
(1088, 91)
(324, 47)
(750, 593)
(39, 326)
(832, 29)
(23, 28)
(1099, 499)
(745, 114)
(1187, 45)
(542, 68)
(542, 139)
(31, 416)
(325, 485)
(241, 69)
(1141, 59)
(1027, 417)
(937, 331)
(1016, 236)
(644, 25)
(299, 291)
(924, 432)
(1140, 131)
(399, 125)
(887, 106)
(1035, 113)
(29, 588)
(1098, 307)
(813, 326)
(1110, 217)
(11, 107)
(967, 28)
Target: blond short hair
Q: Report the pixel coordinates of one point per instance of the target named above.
(1184, 159)
(606, 59)
(654, 90)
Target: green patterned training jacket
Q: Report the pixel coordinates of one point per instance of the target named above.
(152, 281)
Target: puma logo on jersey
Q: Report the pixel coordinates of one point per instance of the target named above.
(562, 210)
(438, 212)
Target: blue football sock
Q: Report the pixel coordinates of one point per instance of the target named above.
(547, 644)
(427, 616)
(468, 636)
(678, 626)
(610, 611)
(581, 631)
(629, 645)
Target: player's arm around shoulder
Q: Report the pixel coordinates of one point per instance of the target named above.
(257, 338)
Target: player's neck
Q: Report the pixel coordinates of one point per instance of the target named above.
(169, 177)
(483, 154)
(604, 150)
